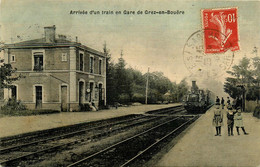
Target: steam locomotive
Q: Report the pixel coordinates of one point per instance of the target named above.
(198, 100)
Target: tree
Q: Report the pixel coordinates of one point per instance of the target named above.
(124, 81)
(174, 92)
(111, 94)
(256, 76)
(246, 74)
(126, 85)
(231, 88)
(6, 76)
(240, 75)
(138, 85)
(182, 89)
(158, 86)
(119, 80)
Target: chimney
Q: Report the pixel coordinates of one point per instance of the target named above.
(49, 33)
(194, 87)
(194, 84)
(63, 37)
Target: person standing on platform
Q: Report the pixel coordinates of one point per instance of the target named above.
(217, 100)
(222, 102)
(230, 120)
(218, 119)
(238, 121)
(228, 101)
(239, 102)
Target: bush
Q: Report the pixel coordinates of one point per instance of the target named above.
(124, 99)
(138, 98)
(13, 104)
(1, 94)
(26, 112)
(257, 112)
(14, 107)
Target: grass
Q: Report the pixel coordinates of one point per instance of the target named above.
(4, 112)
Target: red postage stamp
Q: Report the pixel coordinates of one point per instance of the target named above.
(220, 30)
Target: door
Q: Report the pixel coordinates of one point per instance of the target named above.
(81, 93)
(64, 100)
(38, 90)
(14, 92)
(91, 87)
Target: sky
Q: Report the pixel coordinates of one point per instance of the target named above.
(147, 40)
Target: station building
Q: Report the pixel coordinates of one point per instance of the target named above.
(57, 73)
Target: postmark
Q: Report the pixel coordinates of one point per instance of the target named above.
(225, 22)
(205, 65)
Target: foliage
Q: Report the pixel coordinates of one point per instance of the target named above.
(26, 112)
(110, 74)
(1, 94)
(158, 86)
(6, 76)
(257, 112)
(128, 85)
(13, 104)
(182, 89)
(246, 73)
(14, 107)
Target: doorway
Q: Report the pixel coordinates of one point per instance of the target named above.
(14, 92)
(38, 91)
(91, 87)
(64, 100)
(81, 93)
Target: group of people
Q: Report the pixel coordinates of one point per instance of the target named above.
(222, 102)
(234, 117)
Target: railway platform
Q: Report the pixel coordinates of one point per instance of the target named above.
(200, 147)
(10, 126)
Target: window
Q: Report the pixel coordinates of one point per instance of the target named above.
(100, 67)
(91, 69)
(38, 61)
(81, 62)
(12, 58)
(64, 57)
(38, 92)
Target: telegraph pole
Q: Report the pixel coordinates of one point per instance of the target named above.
(147, 84)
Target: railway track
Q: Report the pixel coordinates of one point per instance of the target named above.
(48, 145)
(21, 138)
(15, 154)
(130, 150)
(68, 134)
(7, 141)
(167, 110)
(4, 141)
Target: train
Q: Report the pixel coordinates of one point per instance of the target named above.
(198, 100)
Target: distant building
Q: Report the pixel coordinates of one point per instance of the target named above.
(59, 74)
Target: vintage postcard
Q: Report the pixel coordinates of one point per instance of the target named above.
(129, 83)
